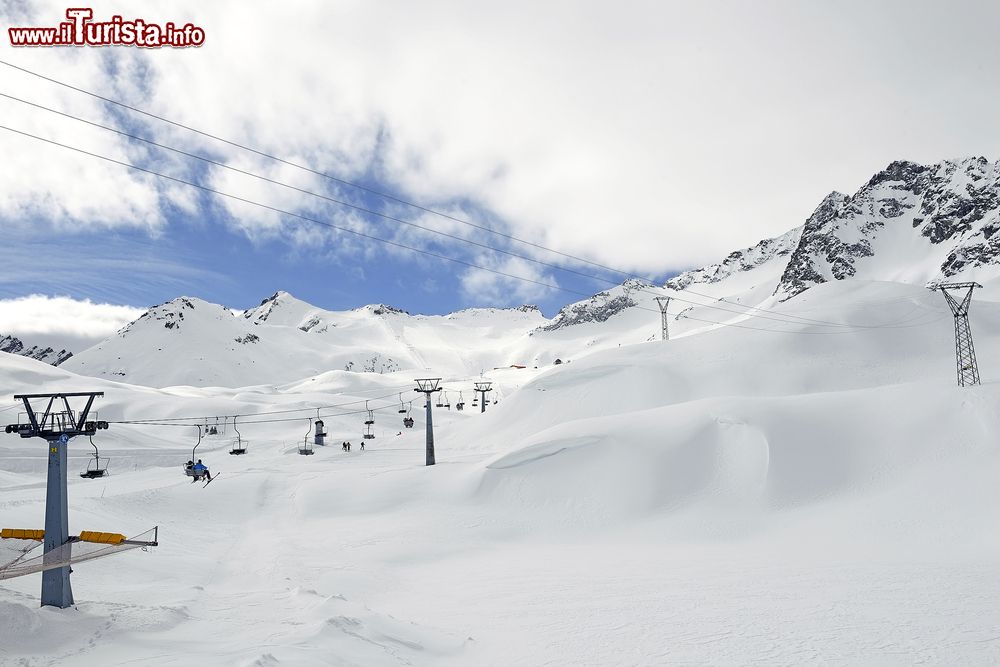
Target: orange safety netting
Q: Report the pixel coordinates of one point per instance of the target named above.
(20, 550)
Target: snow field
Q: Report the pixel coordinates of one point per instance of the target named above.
(725, 498)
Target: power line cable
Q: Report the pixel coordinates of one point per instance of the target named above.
(310, 170)
(782, 317)
(429, 253)
(394, 198)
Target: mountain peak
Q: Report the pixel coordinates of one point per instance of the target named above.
(898, 170)
(909, 223)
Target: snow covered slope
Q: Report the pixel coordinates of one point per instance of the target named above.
(740, 496)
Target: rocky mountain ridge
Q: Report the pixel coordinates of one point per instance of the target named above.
(48, 355)
(910, 223)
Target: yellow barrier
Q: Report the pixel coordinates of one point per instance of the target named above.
(101, 538)
(22, 534)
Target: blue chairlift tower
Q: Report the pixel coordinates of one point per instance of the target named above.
(56, 425)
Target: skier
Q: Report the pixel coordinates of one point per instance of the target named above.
(201, 469)
(362, 446)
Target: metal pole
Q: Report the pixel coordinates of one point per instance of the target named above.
(430, 430)
(482, 404)
(56, 591)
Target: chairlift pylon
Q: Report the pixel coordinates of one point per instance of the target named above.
(368, 435)
(319, 437)
(95, 468)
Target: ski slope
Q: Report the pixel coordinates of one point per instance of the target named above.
(731, 496)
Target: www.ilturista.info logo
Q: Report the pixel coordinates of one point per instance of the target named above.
(82, 30)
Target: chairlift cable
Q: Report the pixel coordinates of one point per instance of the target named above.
(781, 317)
(845, 330)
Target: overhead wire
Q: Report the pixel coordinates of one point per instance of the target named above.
(844, 328)
(781, 317)
(747, 309)
(202, 418)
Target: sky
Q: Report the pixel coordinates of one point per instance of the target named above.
(643, 137)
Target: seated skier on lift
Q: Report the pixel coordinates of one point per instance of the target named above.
(201, 470)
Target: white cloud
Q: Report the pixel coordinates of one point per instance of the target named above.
(38, 315)
(486, 288)
(643, 135)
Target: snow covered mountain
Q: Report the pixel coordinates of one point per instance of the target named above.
(193, 342)
(14, 345)
(911, 223)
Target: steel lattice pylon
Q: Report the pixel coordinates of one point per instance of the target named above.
(965, 353)
(663, 302)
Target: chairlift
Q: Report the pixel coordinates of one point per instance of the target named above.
(306, 448)
(402, 408)
(239, 444)
(447, 403)
(189, 469)
(96, 467)
(461, 402)
(408, 420)
(368, 435)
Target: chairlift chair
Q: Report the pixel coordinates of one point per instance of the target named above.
(402, 409)
(408, 420)
(189, 470)
(306, 447)
(96, 467)
(447, 403)
(239, 444)
(461, 402)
